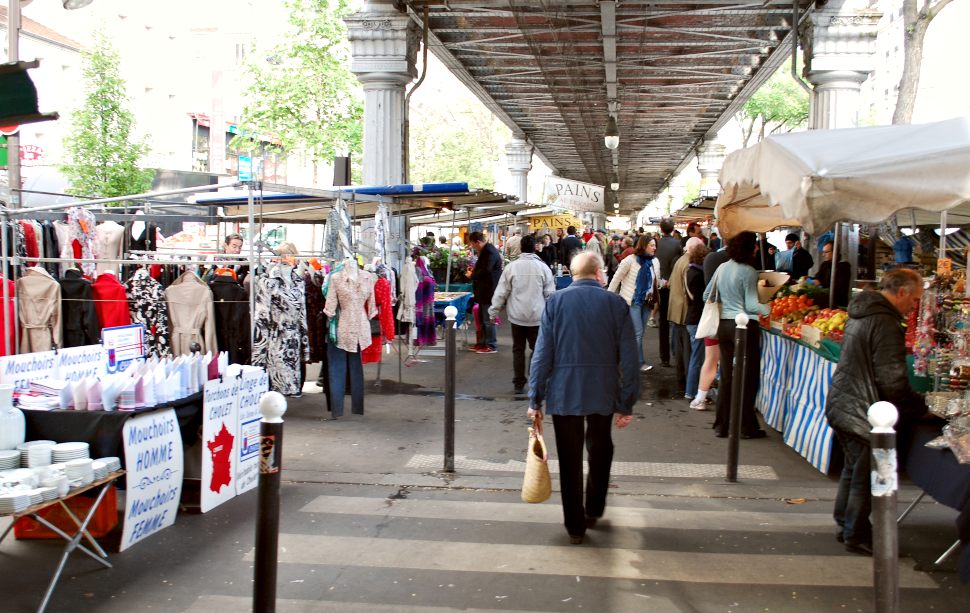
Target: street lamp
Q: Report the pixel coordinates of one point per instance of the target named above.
(612, 136)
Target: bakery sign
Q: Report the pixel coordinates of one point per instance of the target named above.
(31, 155)
(573, 195)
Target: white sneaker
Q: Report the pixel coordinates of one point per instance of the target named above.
(646, 368)
(698, 405)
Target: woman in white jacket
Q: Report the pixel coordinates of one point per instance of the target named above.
(636, 281)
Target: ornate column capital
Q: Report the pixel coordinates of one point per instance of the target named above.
(518, 154)
(710, 158)
(841, 38)
(383, 42)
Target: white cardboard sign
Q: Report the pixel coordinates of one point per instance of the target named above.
(220, 441)
(252, 385)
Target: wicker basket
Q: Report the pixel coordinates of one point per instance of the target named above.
(537, 484)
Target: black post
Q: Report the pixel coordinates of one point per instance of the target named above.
(737, 395)
(885, 536)
(450, 314)
(272, 405)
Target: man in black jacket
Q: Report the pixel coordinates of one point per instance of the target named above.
(801, 260)
(485, 276)
(872, 367)
(569, 246)
(669, 251)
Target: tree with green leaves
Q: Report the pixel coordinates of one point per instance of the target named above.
(455, 143)
(101, 146)
(779, 105)
(301, 96)
(917, 16)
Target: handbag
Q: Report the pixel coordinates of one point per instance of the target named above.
(711, 315)
(375, 326)
(537, 483)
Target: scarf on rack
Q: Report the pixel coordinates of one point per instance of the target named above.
(644, 279)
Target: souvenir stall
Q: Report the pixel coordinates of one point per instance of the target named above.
(811, 180)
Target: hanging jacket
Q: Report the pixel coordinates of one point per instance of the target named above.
(192, 315)
(79, 319)
(280, 342)
(51, 248)
(39, 300)
(147, 306)
(9, 318)
(232, 318)
(111, 301)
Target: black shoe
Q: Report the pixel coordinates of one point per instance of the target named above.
(575, 540)
(665, 364)
(839, 537)
(720, 434)
(591, 522)
(519, 390)
(864, 549)
(754, 434)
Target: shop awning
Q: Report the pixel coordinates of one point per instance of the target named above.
(864, 175)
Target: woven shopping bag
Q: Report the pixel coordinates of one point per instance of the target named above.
(537, 484)
(711, 315)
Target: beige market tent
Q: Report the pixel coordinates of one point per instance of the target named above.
(865, 175)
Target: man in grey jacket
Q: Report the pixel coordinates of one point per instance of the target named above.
(585, 369)
(522, 291)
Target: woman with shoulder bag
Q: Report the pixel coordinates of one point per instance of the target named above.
(636, 281)
(737, 286)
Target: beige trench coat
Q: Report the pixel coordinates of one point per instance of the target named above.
(191, 314)
(39, 301)
(677, 307)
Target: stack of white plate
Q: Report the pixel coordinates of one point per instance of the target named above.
(65, 452)
(80, 470)
(48, 492)
(24, 449)
(100, 469)
(113, 463)
(39, 455)
(9, 459)
(14, 502)
(36, 496)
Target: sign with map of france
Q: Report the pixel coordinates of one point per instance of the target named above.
(220, 436)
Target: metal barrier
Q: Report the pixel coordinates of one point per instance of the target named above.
(450, 314)
(272, 405)
(884, 485)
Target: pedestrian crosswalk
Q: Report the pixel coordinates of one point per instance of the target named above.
(648, 554)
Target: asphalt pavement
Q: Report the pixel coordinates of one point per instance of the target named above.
(370, 522)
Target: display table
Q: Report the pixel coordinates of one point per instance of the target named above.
(73, 542)
(102, 429)
(795, 381)
(937, 472)
(459, 300)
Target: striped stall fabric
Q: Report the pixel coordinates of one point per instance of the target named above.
(794, 384)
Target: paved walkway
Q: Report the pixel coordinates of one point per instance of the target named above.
(370, 524)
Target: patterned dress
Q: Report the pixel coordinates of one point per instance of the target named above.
(147, 305)
(424, 306)
(280, 344)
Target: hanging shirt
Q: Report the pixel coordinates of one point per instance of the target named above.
(355, 298)
(39, 299)
(280, 342)
(147, 306)
(109, 245)
(382, 296)
(111, 302)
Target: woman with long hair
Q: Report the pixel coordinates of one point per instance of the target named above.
(737, 287)
(636, 282)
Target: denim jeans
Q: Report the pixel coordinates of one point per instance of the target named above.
(640, 313)
(696, 360)
(340, 362)
(853, 502)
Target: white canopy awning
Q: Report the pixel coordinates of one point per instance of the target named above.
(864, 175)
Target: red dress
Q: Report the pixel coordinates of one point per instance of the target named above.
(382, 295)
(110, 301)
(8, 330)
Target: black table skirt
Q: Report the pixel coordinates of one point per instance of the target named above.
(937, 472)
(102, 430)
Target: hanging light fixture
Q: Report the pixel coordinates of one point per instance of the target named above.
(612, 136)
(615, 183)
(76, 4)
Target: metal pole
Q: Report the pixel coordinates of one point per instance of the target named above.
(450, 313)
(272, 405)
(448, 247)
(7, 325)
(737, 395)
(13, 141)
(885, 536)
(252, 269)
(835, 261)
(942, 235)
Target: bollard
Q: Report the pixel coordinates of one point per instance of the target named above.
(737, 395)
(450, 314)
(272, 405)
(885, 535)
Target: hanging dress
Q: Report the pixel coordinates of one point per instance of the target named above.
(147, 306)
(424, 306)
(382, 296)
(191, 315)
(280, 344)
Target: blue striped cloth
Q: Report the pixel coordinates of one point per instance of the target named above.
(794, 384)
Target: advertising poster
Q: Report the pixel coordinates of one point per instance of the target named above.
(20, 370)
(76, 363)
(153, 459)
(573, 195)
(220, 436)
(123, 344)
(253, 384)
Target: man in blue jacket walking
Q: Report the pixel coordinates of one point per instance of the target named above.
(585, 368)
